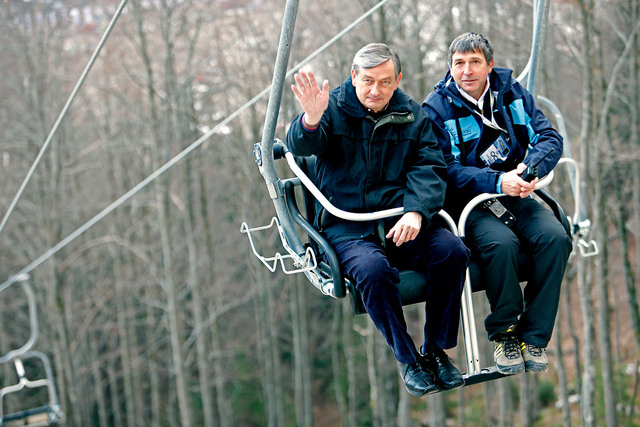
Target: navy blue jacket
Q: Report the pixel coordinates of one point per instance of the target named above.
(467, 154)
(369, 162)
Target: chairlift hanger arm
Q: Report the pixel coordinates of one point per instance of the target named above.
(33, 324)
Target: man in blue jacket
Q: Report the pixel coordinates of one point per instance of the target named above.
(376, 150)
(490, 130)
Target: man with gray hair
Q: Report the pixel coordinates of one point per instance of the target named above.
(376, 150)
(490, 130)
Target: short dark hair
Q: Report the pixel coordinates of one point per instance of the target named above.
(471, 42)
(375, 54)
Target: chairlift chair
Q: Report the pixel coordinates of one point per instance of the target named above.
(49, 413)
(412, 286)
(314, 257)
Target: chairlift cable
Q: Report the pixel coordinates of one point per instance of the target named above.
(63, 113)
(60, 245)
(336, 37)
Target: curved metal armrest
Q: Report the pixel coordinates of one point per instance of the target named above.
(303, 179)
(350, 216)
(546, 180)
(330, 254)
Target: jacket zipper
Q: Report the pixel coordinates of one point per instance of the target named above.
(375, 127)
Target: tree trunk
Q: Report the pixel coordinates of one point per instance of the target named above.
(437, 410)
(375, 403)
(584, 275)
(304, 414)
(114, 387)
(350, 356)
(223, 406)
(505, 402)
(151, 326)
(563, 392)
(337, 362)
(98, 383)
(601, 203)
(270, 351)
(491, 417)
(529, 399)
(159, 157)
(200, 331)
(122, 314)
(634, 131)
(404, 405)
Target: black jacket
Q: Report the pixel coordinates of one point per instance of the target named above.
(367, 162)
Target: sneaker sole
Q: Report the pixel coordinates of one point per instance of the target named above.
(535, 367)
(511, 370)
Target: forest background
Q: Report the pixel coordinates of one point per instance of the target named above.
(160, 315)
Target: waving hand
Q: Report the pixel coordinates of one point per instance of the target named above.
(312, 99)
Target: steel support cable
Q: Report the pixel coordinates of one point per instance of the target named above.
(64, 242)
(54, 129)
(335, 38)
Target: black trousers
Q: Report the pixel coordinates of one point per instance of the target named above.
(437, 253)
(540, 235)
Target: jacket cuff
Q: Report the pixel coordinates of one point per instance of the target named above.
(306, 127)
(499, 184)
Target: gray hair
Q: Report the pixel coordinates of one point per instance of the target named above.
(471, 42)
(375, 54)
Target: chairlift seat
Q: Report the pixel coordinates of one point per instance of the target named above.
(41, 416)
(413, 285)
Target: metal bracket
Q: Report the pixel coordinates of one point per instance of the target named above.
(588, 249)
(302, 264)
(257, 154)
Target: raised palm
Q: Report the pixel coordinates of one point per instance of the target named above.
(312, 99)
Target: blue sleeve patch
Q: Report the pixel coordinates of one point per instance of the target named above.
(470, 128)
(518, 114)
(450, 126)
(520, 117)
(470, 131)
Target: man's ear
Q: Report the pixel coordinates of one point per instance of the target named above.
(398, 81)
(353, 77)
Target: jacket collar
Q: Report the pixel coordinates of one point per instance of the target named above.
(499, 80)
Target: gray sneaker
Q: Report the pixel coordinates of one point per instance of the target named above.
(507, 355)
(535, 358)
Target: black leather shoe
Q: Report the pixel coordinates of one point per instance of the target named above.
(436, 361)
(417, 381)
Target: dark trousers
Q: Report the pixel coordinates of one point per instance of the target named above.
(437, 253)
(541, 236)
